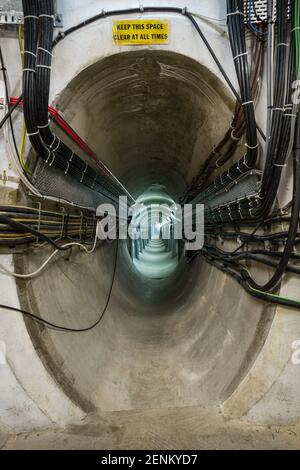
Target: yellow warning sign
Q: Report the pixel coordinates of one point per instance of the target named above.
(140, 32)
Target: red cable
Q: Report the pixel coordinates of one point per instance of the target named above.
(59, 120)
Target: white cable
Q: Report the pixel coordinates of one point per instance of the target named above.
(240, 55)
(42, 267)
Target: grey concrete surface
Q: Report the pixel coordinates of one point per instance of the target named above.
(3, 438)
(185, 341)
(183, 428)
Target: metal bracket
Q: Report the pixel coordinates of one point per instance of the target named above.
(12, 18)
(259, 13)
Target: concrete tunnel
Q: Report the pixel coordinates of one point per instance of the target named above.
(194, 341)
(180, 341)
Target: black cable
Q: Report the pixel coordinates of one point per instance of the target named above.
(38, 35)
(11, 109)
(9, 113)
(231, 268)
(260, 256)
(51, 325)
(129, 11)
(247, 239)
(26, 228)
(292, 234)
(62, 35)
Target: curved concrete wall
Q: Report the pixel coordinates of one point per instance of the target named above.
(197, 339)
(183, 341)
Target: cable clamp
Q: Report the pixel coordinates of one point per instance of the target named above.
(43, 15)
(240, 55)
(71, 157)
(251, 210)
(280, 165)
(67, 169)
(238, 167)
(282, 44)
(82, 178)
(289, 114)
(233, 137)
(44, 127)
(30, 17)
(53, 141)
(29, 52)
(58, 144)
(278, 109)
(229, 177)
(184, 11)
(251, 148)
(29, 70)
(30, 134)
(86, 167)
(214, 151)
(142, 8)
(49, 67)
(295, 29)
(244, 160)
(53, 158)
(103, 12)
(247, 102)
(236, 13)
(45, 50)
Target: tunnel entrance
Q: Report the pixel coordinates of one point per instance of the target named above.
(154, 244)
(186, 339)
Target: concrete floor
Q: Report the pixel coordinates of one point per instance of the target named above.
(187, 428)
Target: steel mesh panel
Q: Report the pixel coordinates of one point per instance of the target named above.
(53, 182)
(248, 185)
(260, 9)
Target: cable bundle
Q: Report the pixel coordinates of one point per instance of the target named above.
(38, 36)
(226, 148)
(282, 123)
(283, 142)
(20, 225)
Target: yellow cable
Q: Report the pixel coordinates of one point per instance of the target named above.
(21, 43)
(21, 148)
